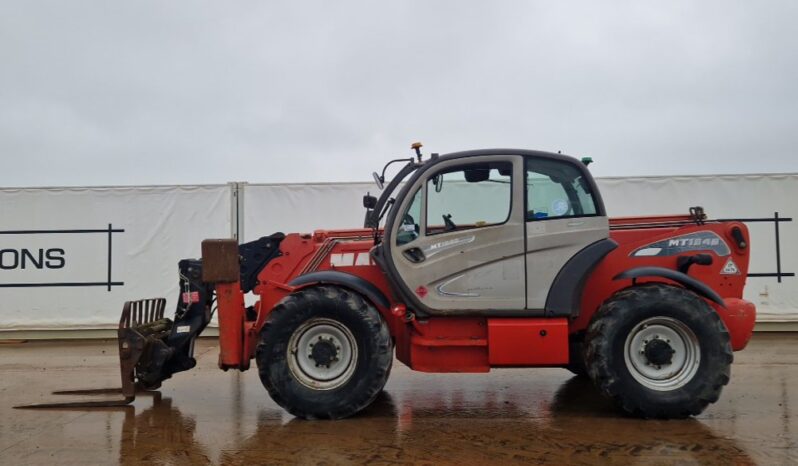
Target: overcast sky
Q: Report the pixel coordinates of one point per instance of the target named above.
(106, 93)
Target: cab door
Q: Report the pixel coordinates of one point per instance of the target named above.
(564, 214)
(458, 243)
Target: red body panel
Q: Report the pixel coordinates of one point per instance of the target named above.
(528, 342)
(474, 344)
(454, 344)
(739, 317)
(231, 322)
(600, 285)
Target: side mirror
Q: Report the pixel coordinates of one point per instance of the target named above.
(377, 179)
(438, 181)
(369, 201)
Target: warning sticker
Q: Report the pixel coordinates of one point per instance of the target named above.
(191, 297)
(730, 268)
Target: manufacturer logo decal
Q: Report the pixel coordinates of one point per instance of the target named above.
(435, 248)
(698, 241)
(730, 268)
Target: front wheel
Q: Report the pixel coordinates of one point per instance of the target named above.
(658, 351)
(324, 353)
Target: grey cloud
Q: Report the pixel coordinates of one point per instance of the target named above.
(197, 92)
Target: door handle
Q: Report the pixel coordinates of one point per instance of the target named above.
(414, 255)
(576, 224)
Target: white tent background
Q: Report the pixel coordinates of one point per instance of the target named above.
(166, 223)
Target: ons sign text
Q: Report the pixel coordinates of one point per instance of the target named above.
(50, 258)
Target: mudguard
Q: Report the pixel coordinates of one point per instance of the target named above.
(565, 294)
(346, 280)
(685, 280)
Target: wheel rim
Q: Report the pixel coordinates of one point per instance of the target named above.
(662, 353)
(322, 354)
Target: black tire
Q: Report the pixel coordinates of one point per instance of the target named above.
(622, 319)
(576, 356)
(368, 367)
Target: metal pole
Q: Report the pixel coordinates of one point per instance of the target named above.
(778, 248)
(110, 234)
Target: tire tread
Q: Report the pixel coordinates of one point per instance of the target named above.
(304, 302)
(617, 311)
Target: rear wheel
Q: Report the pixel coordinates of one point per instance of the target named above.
(324, 353)
(576, 354)
(658, 351)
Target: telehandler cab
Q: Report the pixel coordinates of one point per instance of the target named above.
(487, 258)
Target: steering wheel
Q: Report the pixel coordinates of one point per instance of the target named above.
(447, 220)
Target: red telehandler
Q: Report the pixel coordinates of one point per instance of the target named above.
(486, 258)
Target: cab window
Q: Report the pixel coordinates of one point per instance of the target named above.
(556, 189)
(469, 196)
(408, 226)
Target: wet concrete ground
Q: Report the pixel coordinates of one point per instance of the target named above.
(521, 415)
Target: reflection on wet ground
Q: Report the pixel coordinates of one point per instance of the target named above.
(527, 416)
